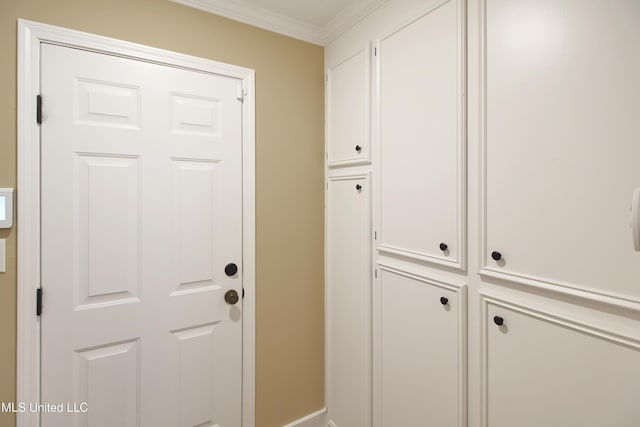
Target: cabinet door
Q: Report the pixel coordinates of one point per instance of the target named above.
(349, 110)
(421, 356)
(422, 139)
(348, 300)
(544, 371)
(562, 141)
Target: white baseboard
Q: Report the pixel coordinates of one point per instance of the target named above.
(317, 419)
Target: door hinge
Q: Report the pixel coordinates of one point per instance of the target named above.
(242, 293)
(375, 51)
(240, 93)
(38, 301)
(375, 235)
(375, 272)
(39, 109)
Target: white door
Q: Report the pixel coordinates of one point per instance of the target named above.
(141, 213)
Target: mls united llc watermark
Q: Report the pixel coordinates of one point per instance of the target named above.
(22, 407)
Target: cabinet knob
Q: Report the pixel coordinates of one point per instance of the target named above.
(358, 148)
(444, 300)
(497, 256)
(498, 320)
(230, 269)
(443, 247)
(358, 187)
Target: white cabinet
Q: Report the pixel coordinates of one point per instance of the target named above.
(348, 301)
(421, 351)
(546, 370)
(349, 110)
(538, 113)
(562, 144)
(421, 112)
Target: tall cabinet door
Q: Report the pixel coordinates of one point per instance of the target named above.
(562, 144)
(421, 128)
(348, 301)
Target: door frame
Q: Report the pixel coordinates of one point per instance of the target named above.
(31, 35)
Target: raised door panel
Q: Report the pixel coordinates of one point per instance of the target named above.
(543, 370)
(422, 355)
(349, 110)
(348, 298)
(421, 121)
(562, 143)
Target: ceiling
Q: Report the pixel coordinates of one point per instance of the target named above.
(314, 21)
(318, 13)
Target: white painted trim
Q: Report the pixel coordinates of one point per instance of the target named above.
(252, 14)
(355, 12)
(417, 256)
(249, 13)
(574, 292)
(554, 319)
(316, 419)
(30, 37)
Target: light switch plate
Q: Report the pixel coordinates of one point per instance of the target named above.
(6, 207)
(3, 255)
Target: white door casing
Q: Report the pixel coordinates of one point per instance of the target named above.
(163, 293)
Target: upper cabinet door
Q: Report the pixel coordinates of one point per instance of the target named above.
(421, 129)
(562, 142)
(349, 110)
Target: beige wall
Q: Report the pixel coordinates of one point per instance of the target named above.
(289, 144)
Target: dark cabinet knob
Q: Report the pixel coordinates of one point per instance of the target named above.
(498, 320)
(231, 269)
(443, 247)
(231, 297)
(497, 256)
(444, 300)
(358, 148)
(358, 187)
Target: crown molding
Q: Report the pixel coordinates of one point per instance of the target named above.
(355, 12)
(249, 13)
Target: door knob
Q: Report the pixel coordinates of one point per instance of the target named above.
(231, 297)
(231, 269)
(444, 300)
(443, 246)
(358, 148)
(497, 256)
(498, 320)
(358, 187)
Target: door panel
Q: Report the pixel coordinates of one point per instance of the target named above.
(141, 211)
(543, 371)
(194, 189)
(107, 228)
(109, 378)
